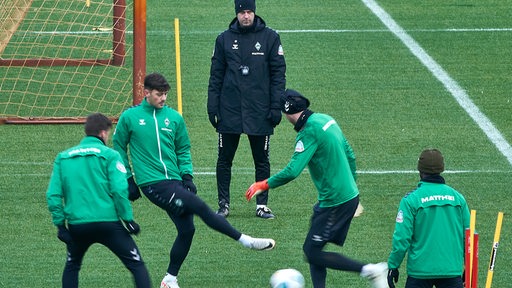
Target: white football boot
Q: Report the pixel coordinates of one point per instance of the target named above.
(377, 274)
(263, 244)
(169, 282)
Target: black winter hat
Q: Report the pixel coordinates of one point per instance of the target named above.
(431, 161)
(241, 5)
(293, 102)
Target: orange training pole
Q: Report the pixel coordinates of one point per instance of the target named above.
(139, 49)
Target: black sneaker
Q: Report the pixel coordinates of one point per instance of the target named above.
(223, 211)
(265, 213)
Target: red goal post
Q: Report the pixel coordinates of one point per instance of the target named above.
(62, 60)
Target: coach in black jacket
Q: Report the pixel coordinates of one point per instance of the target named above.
(247, 79)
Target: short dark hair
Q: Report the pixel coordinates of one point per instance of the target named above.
(96, 123)
(156, 81)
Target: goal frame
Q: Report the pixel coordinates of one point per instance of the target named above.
(117, 59)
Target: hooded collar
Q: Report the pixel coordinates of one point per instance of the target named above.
(258, 25)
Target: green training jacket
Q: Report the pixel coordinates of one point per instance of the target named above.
(88, 184)
(321, 145)
(430, 228)
(158, 143)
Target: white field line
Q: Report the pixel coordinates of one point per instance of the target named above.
(449, 83)
(386, 30)
(212, 173)
(164, 32)
(242, 171)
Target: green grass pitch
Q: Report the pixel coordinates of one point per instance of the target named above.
(350, 65)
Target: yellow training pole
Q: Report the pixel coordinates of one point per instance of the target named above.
(495, 245)
(178, 64)
(472, 224)
(87, 3)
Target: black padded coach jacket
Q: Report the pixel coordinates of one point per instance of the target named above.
(247, 101)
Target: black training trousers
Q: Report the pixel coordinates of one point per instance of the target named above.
(227, 146)
(181, 205)
(112, 235)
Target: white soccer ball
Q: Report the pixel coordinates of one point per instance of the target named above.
(287, 278)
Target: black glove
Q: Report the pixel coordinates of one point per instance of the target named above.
(133, 190)
(132, 227)
(274, 116)
(392, 277)
(213, 119)
(64, 235)
(187, 182)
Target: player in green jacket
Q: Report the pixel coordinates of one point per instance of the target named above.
(321, 146)
(88, 193)
(156, 137)
(430, 229)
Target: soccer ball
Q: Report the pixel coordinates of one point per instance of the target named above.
(287, 278)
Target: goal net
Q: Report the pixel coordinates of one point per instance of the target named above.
(62, 59)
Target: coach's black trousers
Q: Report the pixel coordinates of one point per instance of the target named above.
(112, 235)
(227, 146)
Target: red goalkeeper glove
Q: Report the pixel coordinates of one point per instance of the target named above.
(256, 188)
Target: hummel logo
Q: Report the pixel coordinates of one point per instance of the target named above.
(317, 238)
(286, 106)
(135, 254)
